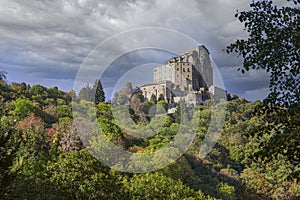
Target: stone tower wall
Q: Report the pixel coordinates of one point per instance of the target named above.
(199, 58)
(187, 73)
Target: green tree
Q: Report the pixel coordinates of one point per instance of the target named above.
(273, 45)
(33, 138)
(146, 106)
(85, 93)
(18, 89)
(39, 93)
(158, 186)
(99, 92)
(122, 97)
(135, 103)
(3, 75)
(162, 107)
(181, 114)
(161, 97)
(81, 176)
(128, 88)
(64, 111)
(8, 149)
(104, 111)
(153, 98)
(24, 107)
(53, 93)
(73, 175)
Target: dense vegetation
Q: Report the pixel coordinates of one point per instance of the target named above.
(272, 46)
(42, 156)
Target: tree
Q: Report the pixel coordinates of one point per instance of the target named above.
(73, 175)
(146, 106)
(128, 88)
(122, 97)
(136, 106)
(19, 89)
(8, 148)
(157, 186)
(85, 93)
(39, 94)
(33, 138)
(162, 107)
(273, 45)
(3, 75)
(81, 176)
(161, 97)
(53, 93)
(70, 140)
(270, 178)
(181, 113)
(23, 108)
(99, 92)
(153, 98)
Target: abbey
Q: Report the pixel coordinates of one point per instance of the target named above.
(188, 76)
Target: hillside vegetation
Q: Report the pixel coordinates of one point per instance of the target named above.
(42, 156)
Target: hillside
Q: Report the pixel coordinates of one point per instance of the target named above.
(43, 157)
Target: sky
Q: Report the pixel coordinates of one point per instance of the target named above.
(48, 42)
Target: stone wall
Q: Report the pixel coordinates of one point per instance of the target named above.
(199, 58)
(157, 89)
(217, 93)
(190, 72)
(164, 73)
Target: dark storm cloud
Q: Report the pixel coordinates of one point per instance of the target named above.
(46, 41)
(251, 84)
(131, 60)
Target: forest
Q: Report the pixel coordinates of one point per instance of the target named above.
(42, 156)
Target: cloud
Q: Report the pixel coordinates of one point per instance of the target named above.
(252, 84)
(260, 93)
(44, 41)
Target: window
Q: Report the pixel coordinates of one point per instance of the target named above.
(188, 69)
(177, 69)
(183, 69)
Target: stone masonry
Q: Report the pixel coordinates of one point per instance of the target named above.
(188, 76)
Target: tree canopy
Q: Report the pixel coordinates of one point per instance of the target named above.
(273, 46)
(2, 75)
(42, 158)
(99, 92)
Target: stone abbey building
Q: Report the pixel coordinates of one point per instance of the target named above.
(188, 76)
